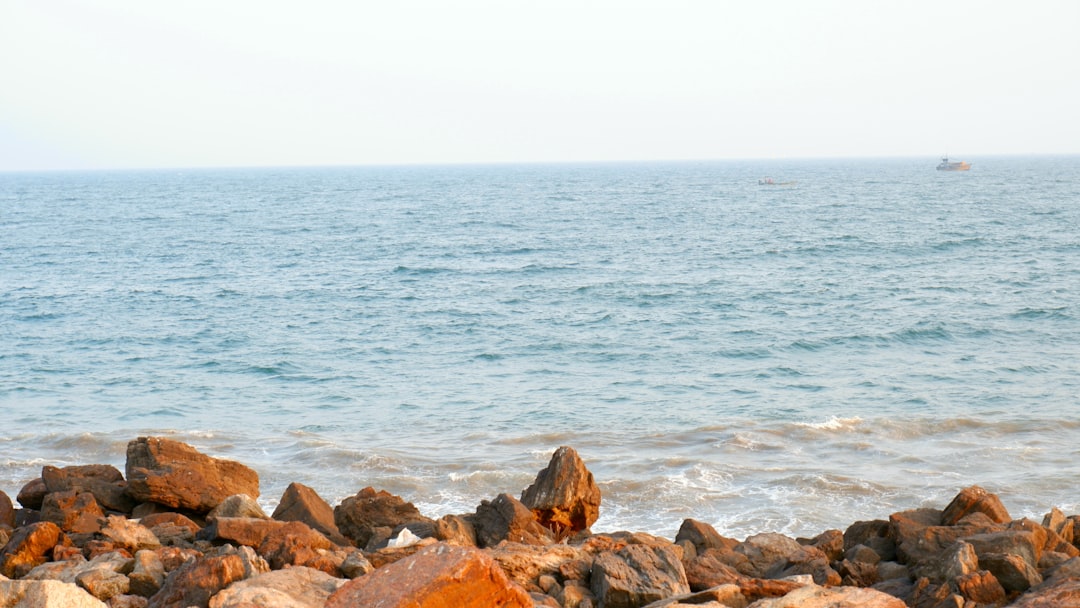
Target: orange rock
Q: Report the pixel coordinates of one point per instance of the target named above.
(28, 547)
(440, 576)
(194, 583)
(974, 499)
(175, 474)
(564, 497)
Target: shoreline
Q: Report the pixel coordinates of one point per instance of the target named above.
(180, 528)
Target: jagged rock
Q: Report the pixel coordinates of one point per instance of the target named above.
(45, 594)
(829, 542)
(709, 569)
(129, 535)
(104, 481)
(805, 561)
(638, 574)
(68, 571)
(858, 574)
(195, 582)
(763, 551)
(74, 512)
(296, 587)
(7, 511)
(438, 576)
(171, 528)
(1055, 520)
(148, 574)
(1063, 592)
(28, 547)
(525, 564)
(812, 596)
(980, 587)
(958, 559)
(1011, 570)
(175, 474)
(237, 505)
(455, 530)
(564, 497)
(357, 517)
(703, 536)
(301, 503)
(754, 589)
(506, 518)
(918, 540)
(102, 583)
(294, 543)
(574, 594)
(971, 499)
(725, 596)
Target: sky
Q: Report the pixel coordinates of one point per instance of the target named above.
(104, 84)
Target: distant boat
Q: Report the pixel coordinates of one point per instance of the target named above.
(956, 165)
(768, 181)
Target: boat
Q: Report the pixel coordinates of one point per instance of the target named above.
(956, 165)
(768, 181)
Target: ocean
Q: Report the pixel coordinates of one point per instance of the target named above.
(788, 358)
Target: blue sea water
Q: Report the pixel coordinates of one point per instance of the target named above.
(871, 338)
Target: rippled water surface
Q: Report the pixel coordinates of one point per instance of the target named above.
(871, 338)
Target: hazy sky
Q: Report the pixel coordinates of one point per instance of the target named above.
(118, 83)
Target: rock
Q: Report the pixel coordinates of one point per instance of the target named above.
(1055, 520)
(45, 594)
(355, 564)
(455, 530)
(28, 547)
(576, 595)
(958, 559)
(130, 535)
(127, 601)
(301, 503)
(195, 582)
(918, 541)
(175, 474)
(1061, 592)
(812, 596)
(237, 505)
(564, 497)
(102, 583)
(246, 531)
(703, 536)
(1012, 571)
(171, 528)
(805, 561)
(708, 569)
(829, 542)
(439, 576)
(972, 499)
(858, 574)
(754, 589)
(148, 574)
(506, 518)
(636, 575)
(295, 544)
(525, 564)
(7, 511)
(727, 596)
(32, 494)
(297, 587)
(357, 517)
(69, 571)
(103, 481)
(73, 512)
(980, 587)
(763, 551)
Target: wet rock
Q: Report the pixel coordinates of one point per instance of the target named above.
(974, 499)
(33, 594)
(439, 576)
(301, 503)
(175, 474)
(28, 546)
(564, 497)
(506, 518)
(637, 575)
(297, 587)
(357, 517)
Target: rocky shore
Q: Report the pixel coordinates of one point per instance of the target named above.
(179, 528)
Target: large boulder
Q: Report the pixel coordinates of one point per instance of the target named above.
(28, 547)
(974, 499)
(507, 518)
(439, 576)
(301, 503)
(359, 517)
(637, 575)
(20, 594)
(564, 497)
(102, 480)
(703, 536)
(195, 582)
(74, 512)
(174, 474)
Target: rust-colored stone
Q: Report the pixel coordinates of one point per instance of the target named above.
(440, 576)
(357, 517)
(28, 547)
(301, 503)
(294, 543)
(175, 474)
(564, 497)
(974, 499)
(980, 587)
(74, 512)
(195, 582)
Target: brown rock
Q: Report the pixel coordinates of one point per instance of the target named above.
(980, 587)
(918, 541)
(246, 531)
(636, 575)
(455, 530)
(763, 551)
(1020, 543)
(525, 564)
(237, 505)
(297, 587)
(703, 536)
(858, 574)
(754, 589)
(195, 582)
(129, 535)
(148, 574)
(830, 542)
(358, 516)
(175, 474)
(301, 503)
(103, 481)
(295, 544)
(1012, 571)
(103, 583)
(1055, 520)
(32, 494)
(506, 518)
(171, 528)
(7, 511)
(812, 596)
(809, 561)
(28, 547)
(973, 499)
(127, 601)
(440, 576)
(73, 512)
(723, 596)
(709, 569)
(1061, 592)
(564, 497)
